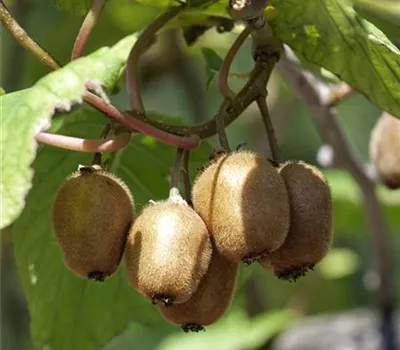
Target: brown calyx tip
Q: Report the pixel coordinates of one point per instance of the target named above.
(248, 260)
(274, 163)
(293, 275)
(392, 184)
(192, 327)
(98, 276)
(166, 300)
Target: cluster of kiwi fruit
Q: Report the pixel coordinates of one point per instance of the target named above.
(185, 258)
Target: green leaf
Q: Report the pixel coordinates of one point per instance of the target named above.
(78, 7)
(234, 332)
(339, 263)
(213, 64)
(68, 312)
(331, 34)
(26, 113)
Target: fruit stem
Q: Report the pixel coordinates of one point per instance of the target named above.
(112, 144)
(97, 159)
(186, 177)
(220, 125)
(133, 67)
(223, 74)
(176, 168)
(87, 27)
(273, 143)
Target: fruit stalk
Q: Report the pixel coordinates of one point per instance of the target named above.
(269, 128)
(176, 168)
(186, 177)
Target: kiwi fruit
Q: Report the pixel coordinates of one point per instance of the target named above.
(92, 213)
(168, 251)
(212, 298)
(310, 233)
(244, 203)
(384, 149)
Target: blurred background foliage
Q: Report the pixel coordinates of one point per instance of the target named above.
(264, 305)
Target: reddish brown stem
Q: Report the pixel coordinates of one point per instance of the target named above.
(84, 145)
(87, 27)
(143, 127)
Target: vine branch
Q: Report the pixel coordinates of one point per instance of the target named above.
(133, 66)
(187, 137)
(21, 36)
(223, 74)
(318, 96)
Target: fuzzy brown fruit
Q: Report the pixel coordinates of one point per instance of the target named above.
(310, 233)
(211, 300)
(168, 251)
(92, 214)
(244, 203)
(384, 150)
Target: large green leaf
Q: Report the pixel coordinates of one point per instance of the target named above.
(331, 34)
(68, 312)
(27, 112)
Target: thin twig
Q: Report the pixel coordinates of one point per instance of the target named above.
(87, 27)
(273, 143)
(316, 95)
(112, 144)
(223, 85)
(24, 39)
(186, 177)
(133, 66)
(176, 169)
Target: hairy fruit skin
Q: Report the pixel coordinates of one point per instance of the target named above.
(310, 233)
(244, 203)
(92, 214)
(168, 251)
(384, 150)
(211, 300)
